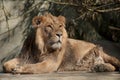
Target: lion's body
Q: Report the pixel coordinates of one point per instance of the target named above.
(48, 49)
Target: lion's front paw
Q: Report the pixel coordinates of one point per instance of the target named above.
(9, 67)
(17, 70)
(25, 69)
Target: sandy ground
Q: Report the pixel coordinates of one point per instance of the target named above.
(63, 76)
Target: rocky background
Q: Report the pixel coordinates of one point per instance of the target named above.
(96, 21)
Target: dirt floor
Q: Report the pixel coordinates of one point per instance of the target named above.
(63, 76)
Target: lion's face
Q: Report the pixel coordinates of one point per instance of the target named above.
(52, 30)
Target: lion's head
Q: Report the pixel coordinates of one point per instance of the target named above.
(50, 31)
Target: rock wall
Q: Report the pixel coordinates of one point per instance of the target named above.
(15, 23)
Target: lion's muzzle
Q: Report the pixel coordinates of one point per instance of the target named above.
(55, 42)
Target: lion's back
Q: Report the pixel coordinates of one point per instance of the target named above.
(80, 48)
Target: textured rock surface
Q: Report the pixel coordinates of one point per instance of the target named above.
(15, 18)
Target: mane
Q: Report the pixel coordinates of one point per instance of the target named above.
(33, 49)
(29, 52)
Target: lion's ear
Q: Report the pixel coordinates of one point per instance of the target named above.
(36, 21)
(62, 19)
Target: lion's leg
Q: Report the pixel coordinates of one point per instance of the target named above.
(11, 64)
(43, 67)
(112, 60)
(104, 67)
(109, 59)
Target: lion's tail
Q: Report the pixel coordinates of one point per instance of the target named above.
(109, 59)
(112, 60)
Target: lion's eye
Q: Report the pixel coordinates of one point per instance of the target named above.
(48, 28)
(37, 22)
(60, 26)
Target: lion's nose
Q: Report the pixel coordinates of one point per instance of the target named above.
(59, 34)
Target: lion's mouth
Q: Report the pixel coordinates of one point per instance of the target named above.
(56, 45)
(59, 41)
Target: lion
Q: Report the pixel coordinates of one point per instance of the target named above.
(48, 49)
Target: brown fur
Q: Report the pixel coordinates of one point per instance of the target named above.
(47, 49)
